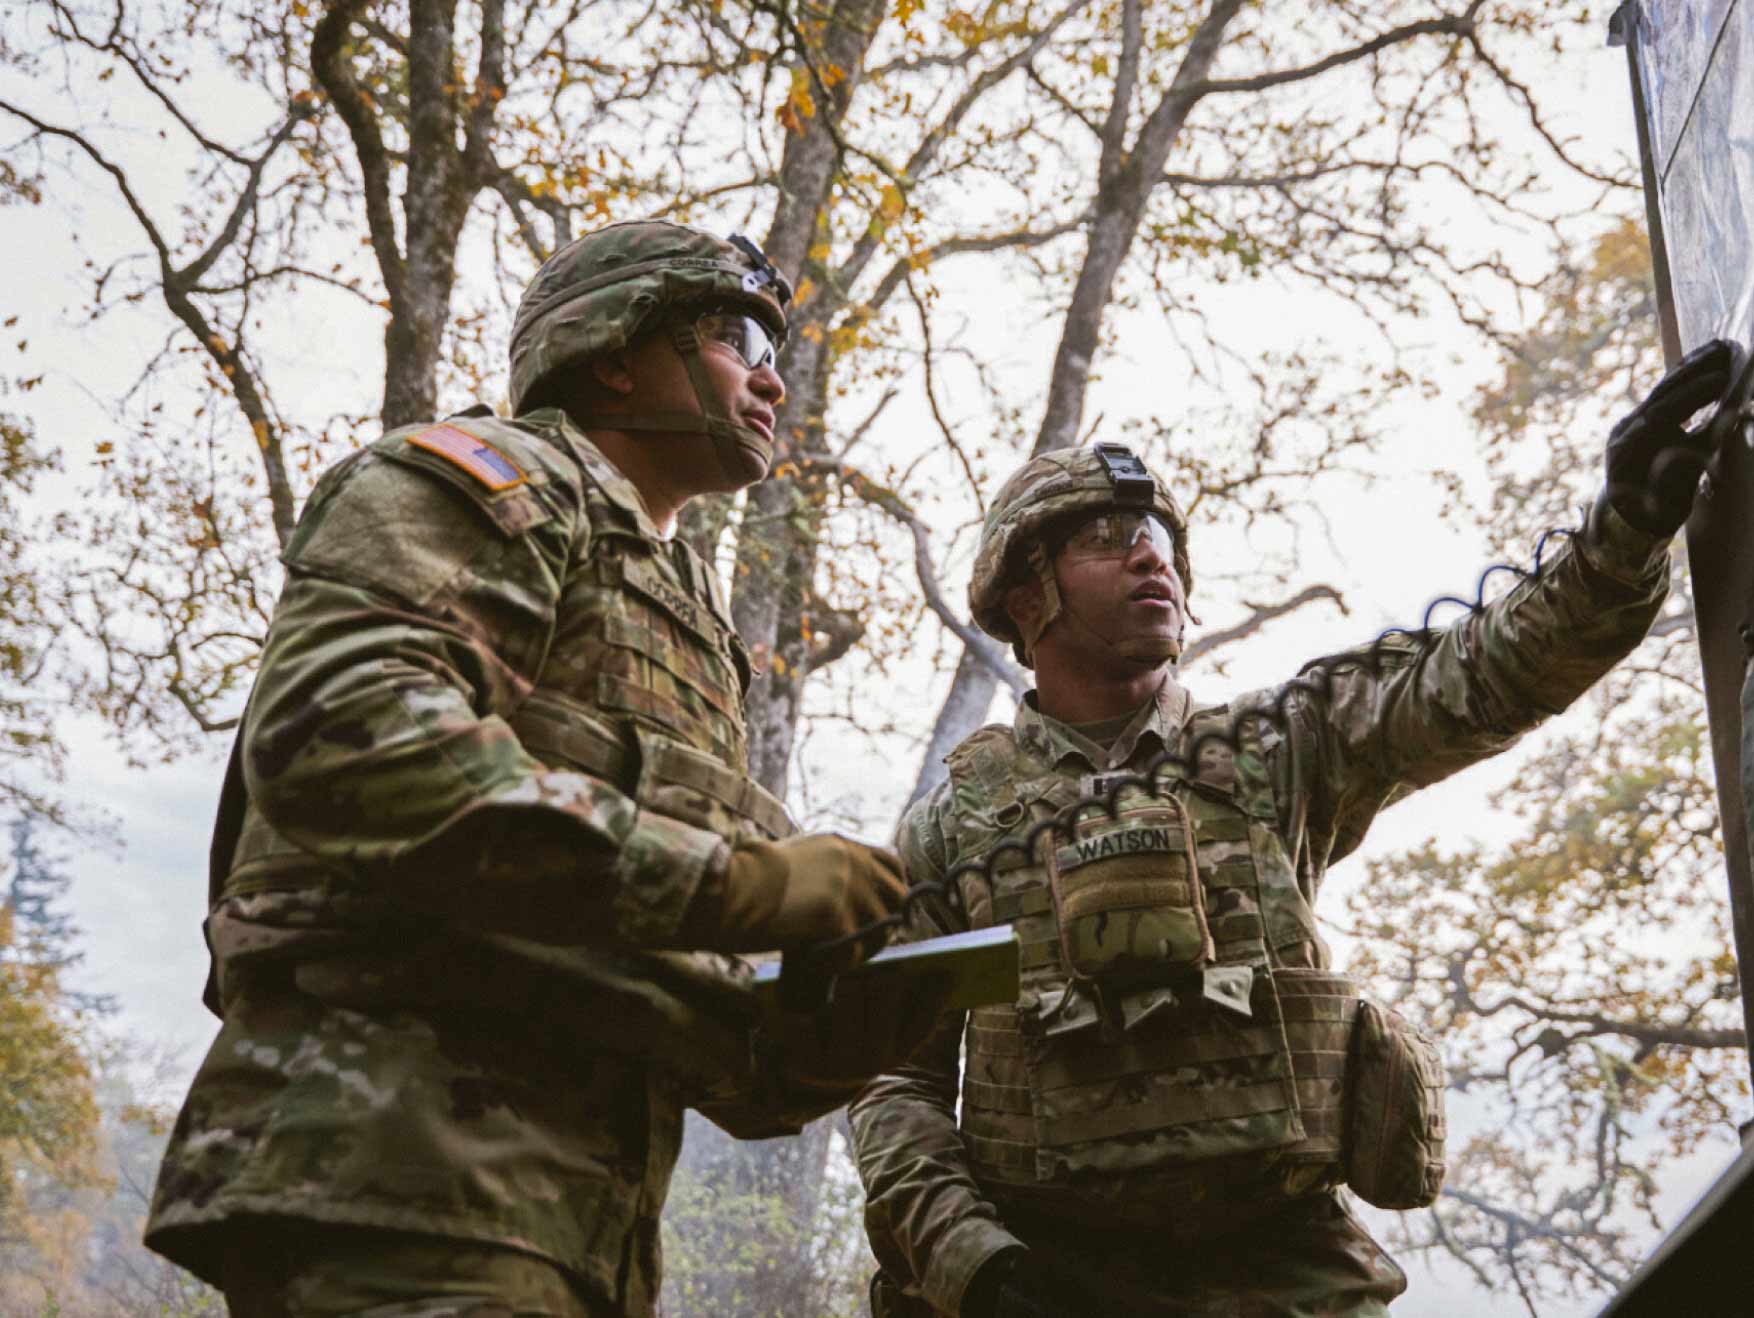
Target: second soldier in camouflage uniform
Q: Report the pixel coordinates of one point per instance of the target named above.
(488, 847)
(1161, 1122)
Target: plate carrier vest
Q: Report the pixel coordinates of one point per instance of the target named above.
(642, 687)
(1080, 1077)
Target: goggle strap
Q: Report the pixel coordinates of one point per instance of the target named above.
(726, 434)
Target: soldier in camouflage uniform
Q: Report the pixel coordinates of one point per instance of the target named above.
(488, 849)
(1161, 1123)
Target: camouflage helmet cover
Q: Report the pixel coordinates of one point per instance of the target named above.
(1039, 494)
(602, 291)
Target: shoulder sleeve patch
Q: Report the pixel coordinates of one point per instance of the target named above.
(984, 754)
(472, 454)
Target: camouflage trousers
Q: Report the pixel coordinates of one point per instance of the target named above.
(1312, 1260)
(294, 1269)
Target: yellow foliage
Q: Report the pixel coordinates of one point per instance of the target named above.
(799, 103)
(1622, 253)
(48, 1117)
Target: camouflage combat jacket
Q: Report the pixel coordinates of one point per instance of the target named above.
(496, 741)
(1174, 1108)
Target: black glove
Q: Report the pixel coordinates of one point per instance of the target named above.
(1654, 464)
(867, 1029)
(1021, 1283)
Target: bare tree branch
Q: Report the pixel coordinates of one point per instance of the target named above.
(1455, 25)
(329, 65)
(989, 651)
(1259, 616)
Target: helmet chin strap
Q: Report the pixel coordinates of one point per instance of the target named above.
(1147, 651)
(745, 454)
(1050, 600)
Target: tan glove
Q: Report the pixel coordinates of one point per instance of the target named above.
(796, 892)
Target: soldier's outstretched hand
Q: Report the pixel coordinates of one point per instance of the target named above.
(798, 892)
(1654, 461)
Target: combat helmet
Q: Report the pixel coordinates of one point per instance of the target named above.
(606, 289)
(1044, 493)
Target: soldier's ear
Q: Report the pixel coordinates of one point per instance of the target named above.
(613, 373)
(1024, 605)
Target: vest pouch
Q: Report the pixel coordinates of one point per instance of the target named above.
(682, 783)
(1320, 1010)
(1394, 1114)
(1190, 1082)
(1127, 894)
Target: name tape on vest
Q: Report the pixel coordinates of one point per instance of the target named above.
(1123, 842)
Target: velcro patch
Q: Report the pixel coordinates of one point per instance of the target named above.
(1120, 842)
(473, 454)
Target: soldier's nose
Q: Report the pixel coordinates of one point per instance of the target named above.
(1144, 557)
(765, 384)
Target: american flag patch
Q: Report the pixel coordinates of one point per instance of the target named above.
(474, 455)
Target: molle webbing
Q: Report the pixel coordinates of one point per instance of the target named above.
(559, 729)
(1089, 1081)
(1000, 1140)
(1226, 859)
(1031, 912)
(687, 663)
(1318, 1008)
(1201, 1080)
(1191, 1090)
(993, 1032)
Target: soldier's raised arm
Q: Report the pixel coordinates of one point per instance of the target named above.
(1368, 727)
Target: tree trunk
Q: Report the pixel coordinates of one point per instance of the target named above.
(776, 545)
(421, 299)
(774, 582)
(762, 1246)
(964, 709)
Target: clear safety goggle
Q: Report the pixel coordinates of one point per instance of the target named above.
(744, 335)
(1113, 535)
